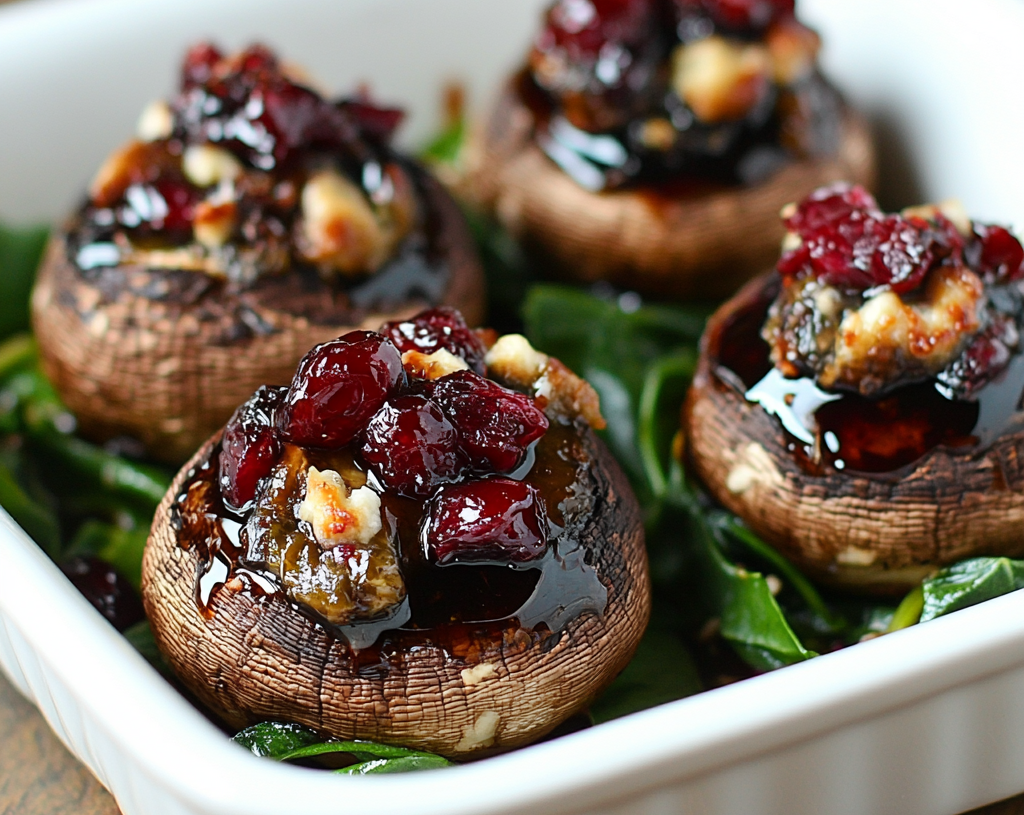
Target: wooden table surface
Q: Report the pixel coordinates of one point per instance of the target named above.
(39, 777)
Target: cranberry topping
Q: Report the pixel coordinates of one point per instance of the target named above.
(199, 63)
(166, 206)
(250, 446)
(584, 27)
(847, 242)
(438, 328)
(249, 104)
(737, 15)
(496, 425)
(495, 519)
(411, 446)
(376, 123)
(338, 386)
(110, 594)
(1001, 256)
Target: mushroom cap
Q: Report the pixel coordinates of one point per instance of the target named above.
(250, 659)
(701, 245)
(166, 356)
(879, 533)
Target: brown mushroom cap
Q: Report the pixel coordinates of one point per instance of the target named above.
(704, 245)
(880, 533)
(251, 659)
(166, 356)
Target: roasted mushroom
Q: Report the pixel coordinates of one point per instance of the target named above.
(651, 143)
(397, 547)
(250, 219)
(861, 407)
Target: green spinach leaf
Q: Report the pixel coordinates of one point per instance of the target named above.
(968, 583)
(20, 251)
(661, 671)
(287, 742)
(276, 739)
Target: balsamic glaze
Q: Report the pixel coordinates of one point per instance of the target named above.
(419, 271)
(461, 608)
(705, 156)
(846, 431)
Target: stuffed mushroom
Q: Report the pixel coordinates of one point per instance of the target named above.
(860, 408)
(651, 143)
(249, 219)
(419, 541)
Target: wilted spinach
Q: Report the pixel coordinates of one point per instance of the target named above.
(284, 741)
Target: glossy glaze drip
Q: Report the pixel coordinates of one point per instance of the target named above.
(845, 431)
(418, 271)
(707, 157)
(451, 606)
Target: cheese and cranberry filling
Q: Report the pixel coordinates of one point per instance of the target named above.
(425, 446)
(629, 91)
(871, 301)
(249, 171)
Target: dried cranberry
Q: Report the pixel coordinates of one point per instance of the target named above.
(584, 27)
(250, 446)
(739, 15)
(830, 205)
(248, 103)
(338, 386)
(847, 242)
(495, 519)
(374, 122)
(411, 446)
(199, 64)
(166, 206)
(438, 328)
(496, 425)
(110, 594)
(1002, 256)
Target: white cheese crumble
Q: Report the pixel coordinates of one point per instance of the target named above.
(215, 217)
(337, 515)
(720, 79)
(339, 226)
(205, 165)
(513, 358)
(433, 366)
(481, 733)
(155, 122)
(478, 673)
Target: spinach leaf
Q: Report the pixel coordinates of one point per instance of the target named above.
(751, 619)
(140, 637)
(824, 619)
(36, 517)
(361, 750)
(620, 346)
(970, 582)
(402, 764)
(20, 252)
(661, 671)
(276, 739)
(120, 546)
(287, 742)
(908, 612)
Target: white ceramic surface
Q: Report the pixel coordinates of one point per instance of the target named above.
(928, 720)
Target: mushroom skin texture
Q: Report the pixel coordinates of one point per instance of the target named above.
(165, 356)
(420, 541)
(880, 533)
(252, 657)
(251, 218)
(698, 244)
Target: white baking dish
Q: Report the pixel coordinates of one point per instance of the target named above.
(928, 720)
